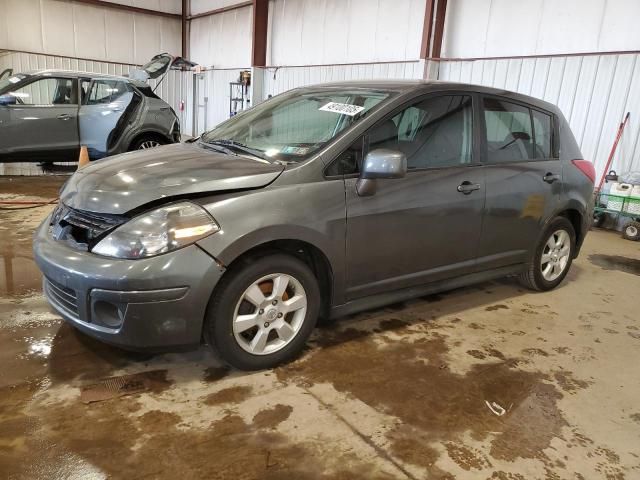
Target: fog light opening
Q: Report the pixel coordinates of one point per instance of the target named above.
(107, 314)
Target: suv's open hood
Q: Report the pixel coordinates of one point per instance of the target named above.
(121, 183)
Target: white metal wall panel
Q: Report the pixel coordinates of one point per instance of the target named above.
(593, 92)
(86, 31)
(167, 6)
(490, 28)
(308, 32)
(201, 6)
(278, 80)
(222, 40)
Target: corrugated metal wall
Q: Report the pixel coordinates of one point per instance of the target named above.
(493, 28)
(307, 32)
(85, 31)
(223, 40)
(594, 93)
(174, 89)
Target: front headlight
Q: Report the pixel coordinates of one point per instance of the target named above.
(159, 231)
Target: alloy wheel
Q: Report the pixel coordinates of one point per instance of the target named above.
(149, 144)
(555, 255)
(269, 314)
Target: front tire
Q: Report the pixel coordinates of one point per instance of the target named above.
(263, 311)
(552, 256)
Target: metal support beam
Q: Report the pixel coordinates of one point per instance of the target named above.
(259, 36)
(127, 8)
(427, 30)
(186, 10)
(438, 33)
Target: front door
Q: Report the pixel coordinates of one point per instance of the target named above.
(42, 124)
(523, 180)
(426, 226)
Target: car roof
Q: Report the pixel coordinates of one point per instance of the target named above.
(405, 86)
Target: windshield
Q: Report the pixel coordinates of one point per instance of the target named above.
(12, 80)
(294, 125)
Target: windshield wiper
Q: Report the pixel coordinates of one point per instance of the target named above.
(238, 146)
(218, 148)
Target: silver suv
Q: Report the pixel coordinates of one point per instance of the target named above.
(319, 202)
(46, 116)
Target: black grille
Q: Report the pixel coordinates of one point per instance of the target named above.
(95, 223)
(63, 297)
(81, 228)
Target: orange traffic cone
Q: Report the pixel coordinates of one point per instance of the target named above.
(84, 157)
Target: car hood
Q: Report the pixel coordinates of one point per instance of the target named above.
(121, 183)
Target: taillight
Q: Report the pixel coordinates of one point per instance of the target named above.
(586, 167)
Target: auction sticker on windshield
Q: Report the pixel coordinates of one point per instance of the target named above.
(342, 108)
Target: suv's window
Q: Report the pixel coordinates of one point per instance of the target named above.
(434, 132)
(542, 128)
(45, 91)
(106, 91)
(509, 133)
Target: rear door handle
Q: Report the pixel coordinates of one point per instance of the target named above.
(551, 177)
(467, 187)
(64, 116)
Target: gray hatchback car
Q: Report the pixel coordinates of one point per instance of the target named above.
(47, 115)
(319, 202)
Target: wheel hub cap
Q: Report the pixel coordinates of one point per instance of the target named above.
(555, 255)
(269, 314)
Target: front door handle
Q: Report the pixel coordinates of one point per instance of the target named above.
(467, 187)
(550, 177)
(64, 116)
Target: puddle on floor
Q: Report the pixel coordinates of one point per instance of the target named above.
(616, 262)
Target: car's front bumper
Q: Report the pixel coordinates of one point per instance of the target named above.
(155, 303)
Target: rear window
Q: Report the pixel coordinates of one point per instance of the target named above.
(516, 133)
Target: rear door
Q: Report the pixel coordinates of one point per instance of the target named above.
(426, 226)
(523, 179)
(105, 102)
(42, 125)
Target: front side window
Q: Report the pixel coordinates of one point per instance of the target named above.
(45, 91)
(106, 91)
(508, 130)
(433, 133)
(293, 126)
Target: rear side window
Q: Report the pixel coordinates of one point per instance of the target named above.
(508, 130)
(106, 91)
(542, 128)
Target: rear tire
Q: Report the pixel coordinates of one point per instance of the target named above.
(631, 231)
(147, 141)
(552, 256)
(263, 311)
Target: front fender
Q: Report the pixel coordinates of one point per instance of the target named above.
(313, 213)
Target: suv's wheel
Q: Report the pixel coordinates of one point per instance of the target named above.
(263, 311)
(147, 141)
(552, 257)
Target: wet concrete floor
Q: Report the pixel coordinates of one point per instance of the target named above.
(486, 382)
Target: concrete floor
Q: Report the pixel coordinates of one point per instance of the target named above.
(400, 392)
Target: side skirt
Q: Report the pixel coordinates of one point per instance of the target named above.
(380, 300)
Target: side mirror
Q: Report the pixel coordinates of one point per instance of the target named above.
(7, 100)
(384, 163)
(380, 163)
